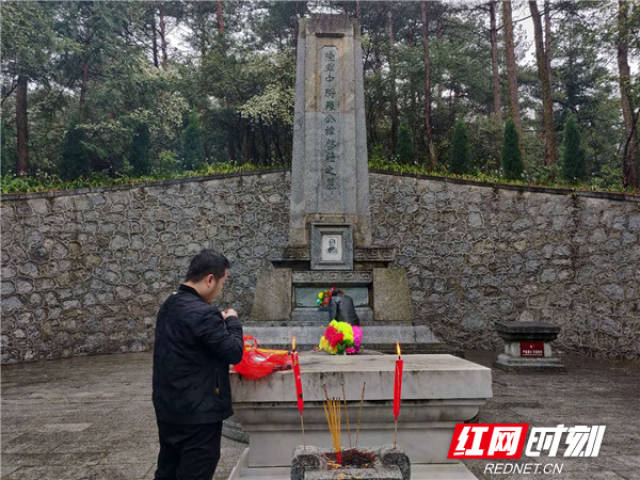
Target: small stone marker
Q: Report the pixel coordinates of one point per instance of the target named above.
(527, 346)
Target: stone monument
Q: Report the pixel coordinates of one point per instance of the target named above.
(330, 241)
(330, 245)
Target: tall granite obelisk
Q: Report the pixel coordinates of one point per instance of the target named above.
(330, 238)
(329, 176)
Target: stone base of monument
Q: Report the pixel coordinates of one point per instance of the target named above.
(381, 338)
(383, 463)
(438, 391)
(527, 347)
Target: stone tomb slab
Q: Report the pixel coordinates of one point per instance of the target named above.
(438, 391)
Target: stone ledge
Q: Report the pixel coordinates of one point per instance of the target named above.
(8, 197)
(360, 254)
(632, 197)
(616, 196)
(332, 277)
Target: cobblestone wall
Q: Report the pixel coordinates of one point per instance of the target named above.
(478, 254)
(84, 272)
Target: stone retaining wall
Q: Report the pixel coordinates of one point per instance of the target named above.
(84, 272)
(478, 254)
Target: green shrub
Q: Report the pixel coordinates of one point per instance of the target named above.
(139, 155)
(404, 147)
(571, 154)
(192, 149)
(167, 163)
(485, 134)
(74, 161)
(460, 158)
(511, 156)
(7, 152)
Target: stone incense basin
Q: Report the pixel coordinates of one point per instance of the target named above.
(382, 463)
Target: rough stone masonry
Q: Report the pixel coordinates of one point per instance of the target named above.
(84, 271)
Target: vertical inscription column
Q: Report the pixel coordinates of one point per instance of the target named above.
(329, 169)
(330, 118)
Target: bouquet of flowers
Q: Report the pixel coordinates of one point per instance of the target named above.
(325, 297)
(341, 338)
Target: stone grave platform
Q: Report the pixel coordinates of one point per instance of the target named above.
(438, 391)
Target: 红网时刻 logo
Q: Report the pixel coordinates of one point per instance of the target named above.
(507, 441)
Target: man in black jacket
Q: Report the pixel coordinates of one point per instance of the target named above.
(194, 345)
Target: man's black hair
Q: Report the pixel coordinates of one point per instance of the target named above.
(206, 262)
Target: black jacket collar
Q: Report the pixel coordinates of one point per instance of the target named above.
(188, 289)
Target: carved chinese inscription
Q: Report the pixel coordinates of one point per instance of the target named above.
(329, 109)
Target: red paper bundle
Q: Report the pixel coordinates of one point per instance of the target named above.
(260, 362)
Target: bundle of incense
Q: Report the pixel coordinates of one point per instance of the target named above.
(364, 385)
(332, 413)
(346, 413)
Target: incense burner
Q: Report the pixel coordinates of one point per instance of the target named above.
(381, 463)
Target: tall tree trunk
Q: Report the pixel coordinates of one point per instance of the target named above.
(163, 39)
(497, 105)
(543, 75)
(630, 160)
(392, 82)
(221, 39)
(220, 20)
(221, 36)
(22, 125)
(83, 90)
(547, 37)
(427, 85)
(439, 37)
(154, 38)
(514, 110)
(512, 78)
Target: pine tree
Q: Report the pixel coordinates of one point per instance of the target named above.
(140, 150)
(573, 168)
(192, 149)
(460, 157)
(7, 166)
(511, 155)
(405, 145)
(74, 161)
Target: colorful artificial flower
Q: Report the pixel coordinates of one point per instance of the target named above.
(341, 338)
(325, 297)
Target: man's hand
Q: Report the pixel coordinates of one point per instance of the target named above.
(229, 312)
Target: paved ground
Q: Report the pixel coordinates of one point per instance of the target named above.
(92, 418)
